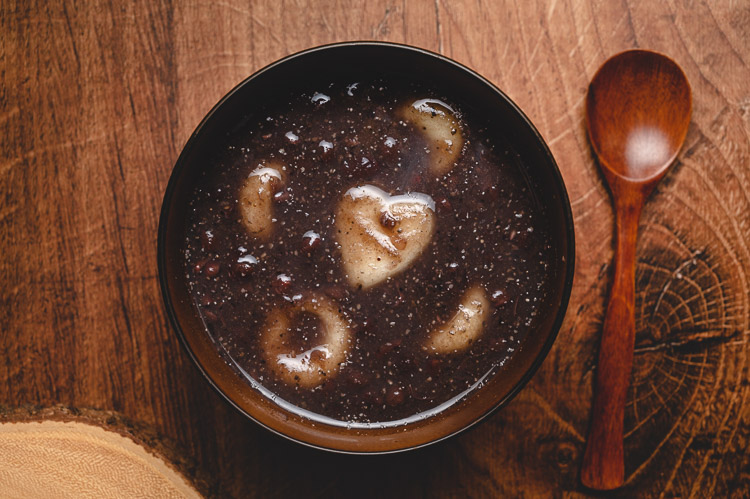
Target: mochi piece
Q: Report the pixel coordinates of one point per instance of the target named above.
(313, 366)
(381, 235)
(466, 325)
(437, 121)
(256, 199)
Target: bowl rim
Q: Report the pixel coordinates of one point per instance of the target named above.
(569, 232)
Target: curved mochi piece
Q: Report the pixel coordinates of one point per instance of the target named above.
(380, 235)
(466, 325)
(438, 123)
(256, 199)
(312, 367)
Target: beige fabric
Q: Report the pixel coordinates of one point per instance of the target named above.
(61, 460)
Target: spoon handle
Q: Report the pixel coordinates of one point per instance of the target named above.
(603, 463)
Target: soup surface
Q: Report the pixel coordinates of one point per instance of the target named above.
(367, 252)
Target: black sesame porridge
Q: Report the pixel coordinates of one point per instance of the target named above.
(367, 253)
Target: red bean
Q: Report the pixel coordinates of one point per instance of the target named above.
(198, 267)
(394, 395)
(282, 196)
(325, 150)
(310, 243)
(499, 297)
(243, 269)
(282, 284)
(443, 205)
(212, 269)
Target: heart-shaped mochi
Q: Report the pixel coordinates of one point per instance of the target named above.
(380, 235)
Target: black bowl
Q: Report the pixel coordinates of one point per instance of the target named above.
(350, 62)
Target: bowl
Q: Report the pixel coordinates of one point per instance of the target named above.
(351, 61)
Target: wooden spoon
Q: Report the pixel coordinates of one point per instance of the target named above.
(637, 114)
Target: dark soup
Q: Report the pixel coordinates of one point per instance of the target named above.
(367, 253)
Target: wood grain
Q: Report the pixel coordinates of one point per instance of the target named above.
(97, 100)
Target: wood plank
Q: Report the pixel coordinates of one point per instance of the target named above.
(97, 100)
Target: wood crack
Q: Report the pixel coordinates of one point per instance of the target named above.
(691, 341)
(382, 27)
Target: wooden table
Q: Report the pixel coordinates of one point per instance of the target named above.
(97, 100)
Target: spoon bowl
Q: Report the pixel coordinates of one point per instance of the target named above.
(637, 114)
(638, 110)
